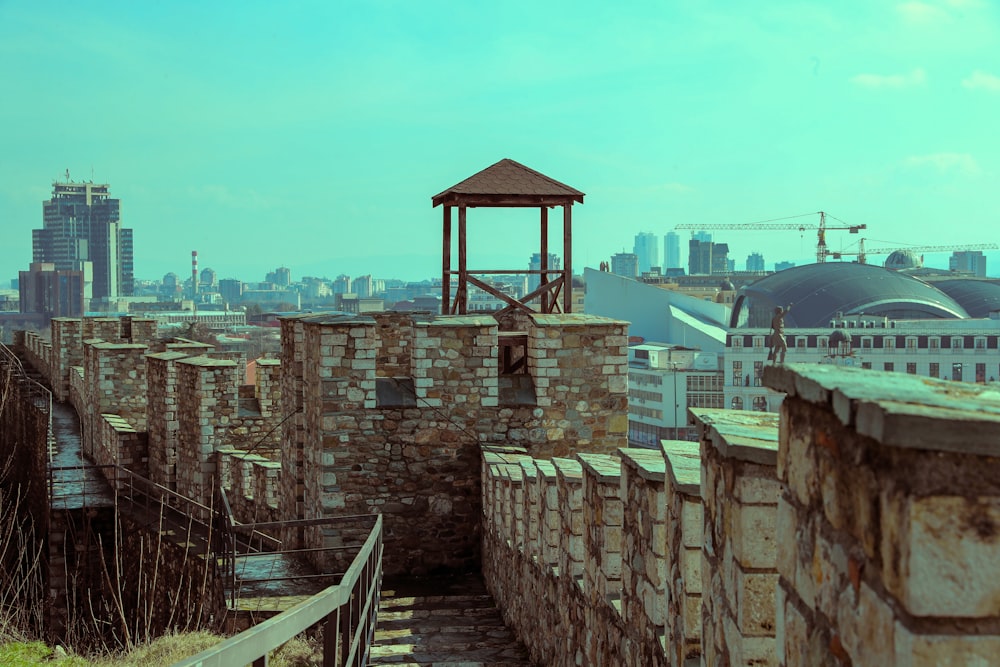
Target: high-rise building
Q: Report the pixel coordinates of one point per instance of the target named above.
(707, 258)
(672, 250)
(968, 261)
(342, 284)
(703, 236)
(362, 286)
(625, 264)
(231, 290)
(55, 293)
(781, 266)
(647, 250)
(208, 278)
(81, 223)
(535, 264)
(755, 262)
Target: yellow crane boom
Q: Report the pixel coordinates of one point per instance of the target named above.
(822, 251)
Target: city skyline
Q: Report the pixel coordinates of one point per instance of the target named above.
(314, 137)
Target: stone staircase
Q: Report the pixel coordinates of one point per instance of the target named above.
(447, 621)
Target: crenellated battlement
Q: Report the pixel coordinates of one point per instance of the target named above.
(856, 527)
(394, 411)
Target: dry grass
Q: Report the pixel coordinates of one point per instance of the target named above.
(167, 650)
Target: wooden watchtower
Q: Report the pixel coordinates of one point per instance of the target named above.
(509, 184)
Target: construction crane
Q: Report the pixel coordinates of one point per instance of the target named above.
(821, 249)
(862, 252)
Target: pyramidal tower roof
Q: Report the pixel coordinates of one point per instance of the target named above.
(508, 183)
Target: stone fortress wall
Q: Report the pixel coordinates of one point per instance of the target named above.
(858, 527)
(361, 415)
(861, 527)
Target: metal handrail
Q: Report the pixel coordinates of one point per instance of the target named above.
(348, 610)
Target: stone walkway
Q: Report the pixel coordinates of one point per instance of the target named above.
(442, 622)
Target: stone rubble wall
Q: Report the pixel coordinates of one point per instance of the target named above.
(39, 354)
(580, 371)
(291, 381)
(66, 353)
(888, 520)
(107, 329)
(267, 387)
(859, 529)
(162, 416)
(394, 344)
(685, 529)
(252, 484)
(602, 559)
(419, 464)
(206, 405)
(739, 567)
(119, 443)
(115, 383)
(77, 390)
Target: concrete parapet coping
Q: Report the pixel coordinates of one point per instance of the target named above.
(545, 468)
(512, 472)
(602, 466)
(684, 467)
(898, 409)
(207, 362)
(334, 318)
(268, 362)
(459, 321)
(646, 463)
(745, 436)
(104, 345)
(167, 356)
(185, 343)
(574, 319)
(568, 468)
(119, 423)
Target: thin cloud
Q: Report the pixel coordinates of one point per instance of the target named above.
(980, 80)
(922, 12)
(962, 163)
(917, 77)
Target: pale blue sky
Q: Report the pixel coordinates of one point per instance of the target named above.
(313, 135)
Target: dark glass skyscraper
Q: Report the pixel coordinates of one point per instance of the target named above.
(81, 223)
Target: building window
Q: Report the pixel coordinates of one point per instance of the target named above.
(758, 373)
(758, 342)
(737, 403)
(866, 364)
(641, 395)
(934, 342)
(866, 342)
(980, 343)
(981, 373)
(911, 342)
(800, 342)
(649, 413)
(737, 342)
(889, 343)
(956, 342)
(760, 403)
(935, 371)
(737, 373)
(911, 367)
(889, 366)
(956, 372)
(822, 342)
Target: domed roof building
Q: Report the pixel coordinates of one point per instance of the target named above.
(978, 297)
(819, 293)
(903, 259)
